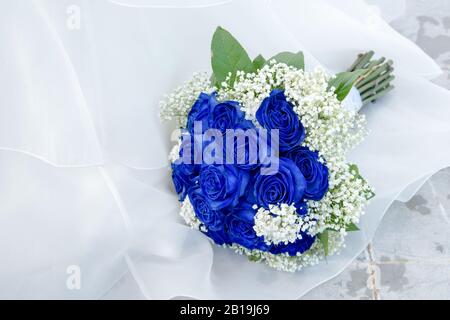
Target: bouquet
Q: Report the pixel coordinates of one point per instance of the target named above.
(260, 165)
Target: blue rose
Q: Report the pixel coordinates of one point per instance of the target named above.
(276, 112)
(226, 115)
(180, 186)
(240, 228)
(201, 111)
(212, 219)
(219, 236)
(222, 185)
(315, 172)
(299, 246)
(183, 177)
(287, 185)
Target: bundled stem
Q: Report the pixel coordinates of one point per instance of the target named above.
(376, 81)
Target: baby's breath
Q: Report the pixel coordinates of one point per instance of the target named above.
(188, 214)
(280, 224)
(285, 262)
(176, 106)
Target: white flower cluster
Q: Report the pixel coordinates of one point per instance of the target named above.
(282, 262)
(174, 153)
(188, 214)
(178, 104)
(250, 89)
(280, 224)
(344, 202)
(331, 129)
(287, 263)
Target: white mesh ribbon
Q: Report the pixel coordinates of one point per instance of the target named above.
(353, 100)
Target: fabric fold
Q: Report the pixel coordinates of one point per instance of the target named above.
(335, 32)
(61, 233)
(43, 110)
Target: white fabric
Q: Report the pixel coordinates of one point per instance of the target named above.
(389, 10)
(83, 166)
(353, 101)
(336, 31)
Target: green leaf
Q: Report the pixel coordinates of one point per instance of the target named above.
(352, 227)
(323, 237)
(228, 56)
(296, 60)
(344, 81)
(371, 195)
(355, 170)
(254, 258)
(259, 62)
(214, 80)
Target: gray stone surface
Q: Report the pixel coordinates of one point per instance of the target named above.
(428, 24)
(409, 257)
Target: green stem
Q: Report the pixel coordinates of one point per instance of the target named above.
(375, 63)
(364, 60)
(357, 61)
(375, 73)
(377, 95)
(376, 79)
(377, 83)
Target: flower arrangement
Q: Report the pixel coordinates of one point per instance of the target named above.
(261, 162)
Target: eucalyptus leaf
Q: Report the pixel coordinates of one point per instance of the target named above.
(344, 81)
(228, 56)
(259, 62)
(296, 60)
(323, 237)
